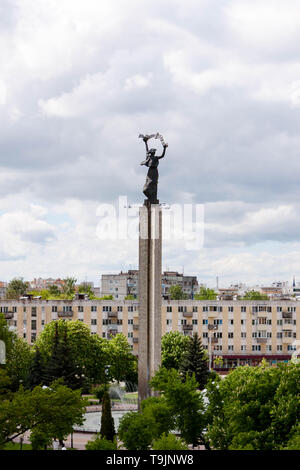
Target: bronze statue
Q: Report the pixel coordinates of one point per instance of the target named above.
(152, 161)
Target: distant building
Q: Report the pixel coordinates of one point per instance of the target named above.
(40, 283)
(3, 287)
(127, 283)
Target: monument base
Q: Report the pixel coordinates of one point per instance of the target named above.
(150, 269)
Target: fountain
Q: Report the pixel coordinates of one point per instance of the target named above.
(121, 404)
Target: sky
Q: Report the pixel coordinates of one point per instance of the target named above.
(80, 80)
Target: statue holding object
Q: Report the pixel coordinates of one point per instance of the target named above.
(152, 162)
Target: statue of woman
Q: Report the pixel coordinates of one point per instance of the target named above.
(152, 161)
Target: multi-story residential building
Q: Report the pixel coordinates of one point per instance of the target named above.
(3, 287)
(123, 284)
(241, 332)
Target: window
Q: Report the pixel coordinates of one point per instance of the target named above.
(230, 335)
(54, 308)
(230, 347)
(279, 309)
(205, 335)
(14, 309)
(256, 347)
(279, 322)
(217, 322)
(181, 309)
(94, 308)
(243, 347)
(33, 311)
(242, 322)
(120, 308)
(279, 347)
(106, 308)
(119, 321)
(243, 309)
(195, 309)
(169, 308)
(204, 322)
(279, 335)
(33, 337)
(130, 308)
(243, 335)
(195, 322)
(230, 309)
(33, 324)
(169, 322)
(205, 309)
(93, 321)
(231, 322)
(130, 334)
(104, 321)
(130, 321)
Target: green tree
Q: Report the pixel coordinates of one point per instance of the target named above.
(123, 363)
(107, 429)
(136, 430)
(205, 294)
(176, 293)
(51, 411)
(173, 346)
(100, 443)
(185, 402)
(254, 408)
(54, 291)
(89, 351)
(158, 410)
(16, 288)
(69, 286)
(36, 374)
(18, 355)
(255, 295)
(62, 363)
(195, 362)
(169, 442)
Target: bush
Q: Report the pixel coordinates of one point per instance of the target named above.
(100, 443)
(99, 391)
(136, 431)
(169, 442)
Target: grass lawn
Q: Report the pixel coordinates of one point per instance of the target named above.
(16, 446)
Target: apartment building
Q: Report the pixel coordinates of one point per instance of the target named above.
(241, 332)
(124, 284)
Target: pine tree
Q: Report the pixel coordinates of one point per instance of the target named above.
(107, 422)
(37, 370)
(194, 361)
(62, 364)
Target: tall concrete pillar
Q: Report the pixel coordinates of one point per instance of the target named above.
(150, 269)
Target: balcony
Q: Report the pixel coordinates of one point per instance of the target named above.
(63, 314)
(112, 314)
(135, 340)
(214, 340)
(112, 332)
(135, 327)
(261, 340)
(187, 314)
(187, 327)
(9, 315)
(212, 327)
(287, 315)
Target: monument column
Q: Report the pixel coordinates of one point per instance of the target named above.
(150, 269)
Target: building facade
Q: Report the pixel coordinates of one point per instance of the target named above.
(123, 284)
(241, 332)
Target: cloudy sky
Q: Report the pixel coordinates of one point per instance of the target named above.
(79, 80)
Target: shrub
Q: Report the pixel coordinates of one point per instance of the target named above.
(169, 442)
(100, 443)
